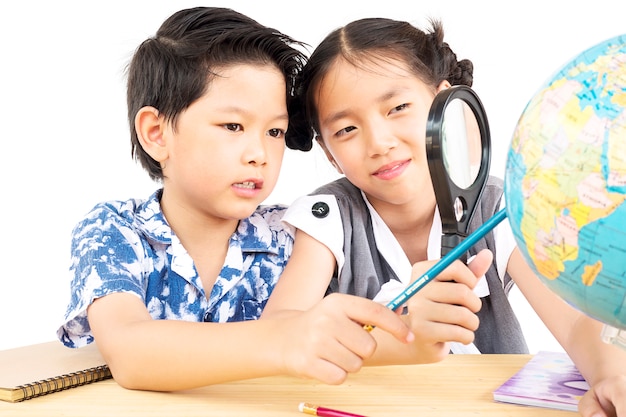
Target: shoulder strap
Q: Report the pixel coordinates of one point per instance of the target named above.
(365, 270)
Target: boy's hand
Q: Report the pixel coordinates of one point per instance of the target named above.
(328, 341)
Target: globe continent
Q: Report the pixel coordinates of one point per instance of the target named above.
(565, 182)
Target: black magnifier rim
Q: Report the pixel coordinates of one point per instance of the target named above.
(446, 191)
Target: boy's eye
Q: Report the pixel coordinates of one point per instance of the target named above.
(399, 108)
(276, 133)
(233, 127)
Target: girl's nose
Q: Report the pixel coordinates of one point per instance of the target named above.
(380, 141)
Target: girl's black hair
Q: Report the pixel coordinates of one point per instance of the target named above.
(426, 54)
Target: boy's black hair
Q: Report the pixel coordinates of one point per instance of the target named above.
(174, 68)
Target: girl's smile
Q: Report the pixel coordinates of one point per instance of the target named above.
(392, 170)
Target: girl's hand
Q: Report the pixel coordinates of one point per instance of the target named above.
(444, 310)
(607, 398)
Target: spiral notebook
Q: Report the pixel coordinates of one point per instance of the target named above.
(549, 380)
(31, 371)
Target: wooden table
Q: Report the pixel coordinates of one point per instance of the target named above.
(461, 385)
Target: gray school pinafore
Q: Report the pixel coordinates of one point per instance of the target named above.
(365, 270)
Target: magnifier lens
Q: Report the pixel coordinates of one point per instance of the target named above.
(461, 144)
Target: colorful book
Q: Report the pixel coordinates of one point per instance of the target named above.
(31, 371)
(549, 380)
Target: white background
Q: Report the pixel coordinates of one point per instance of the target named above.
(65, 142)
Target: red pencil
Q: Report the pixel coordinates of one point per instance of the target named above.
(315, 410)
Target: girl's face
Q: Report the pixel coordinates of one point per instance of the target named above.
(372, 122)
(225, 153)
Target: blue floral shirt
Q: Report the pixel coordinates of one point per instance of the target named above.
(128, 246)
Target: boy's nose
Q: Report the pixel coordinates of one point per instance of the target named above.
(255, 153)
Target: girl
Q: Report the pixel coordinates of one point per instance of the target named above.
(365, 95)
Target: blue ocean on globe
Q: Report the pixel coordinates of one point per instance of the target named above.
(565, 182)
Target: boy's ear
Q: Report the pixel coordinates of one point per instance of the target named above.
(320, 141)
(150, 127)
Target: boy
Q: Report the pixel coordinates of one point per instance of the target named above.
(158, 282)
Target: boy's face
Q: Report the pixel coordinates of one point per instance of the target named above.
(225, 153)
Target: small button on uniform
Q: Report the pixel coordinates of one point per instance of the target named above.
(320, 209)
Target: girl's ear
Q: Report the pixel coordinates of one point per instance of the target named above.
(150, 127)
(320, 141)
(445, 84)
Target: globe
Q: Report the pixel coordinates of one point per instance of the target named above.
(565, 182)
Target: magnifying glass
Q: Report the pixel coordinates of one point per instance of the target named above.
(458, 147)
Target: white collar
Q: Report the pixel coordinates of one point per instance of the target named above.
(390, 248)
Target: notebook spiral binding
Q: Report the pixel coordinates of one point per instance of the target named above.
(62, 382)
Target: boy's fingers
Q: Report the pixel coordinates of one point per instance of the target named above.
(368, 312)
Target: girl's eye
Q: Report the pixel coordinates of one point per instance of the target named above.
(276, 133)
(345, 131)
(399, 108)
(233, 127)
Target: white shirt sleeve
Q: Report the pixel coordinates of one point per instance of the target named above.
(505, 242)
(327, 229)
